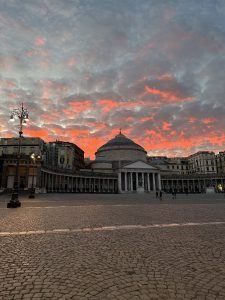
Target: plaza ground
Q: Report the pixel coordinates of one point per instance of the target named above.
(85, 246)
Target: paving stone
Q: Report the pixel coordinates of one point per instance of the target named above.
(183, 262)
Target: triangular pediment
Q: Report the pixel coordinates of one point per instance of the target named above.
(139, 165)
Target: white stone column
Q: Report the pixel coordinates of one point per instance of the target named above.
(89, 185)
(153, 180)
(99, 185)
(159, 182)
(53, 182)
(125, 179)
(136, 174)
(148, 181)
(119, 182)
(108, 187)
(76, 184)
(131, 181)
(143, 180)
(72, 178)
(199, 186)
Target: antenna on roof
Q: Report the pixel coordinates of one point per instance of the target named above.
(120, 130)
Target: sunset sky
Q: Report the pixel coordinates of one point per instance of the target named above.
(86, 68)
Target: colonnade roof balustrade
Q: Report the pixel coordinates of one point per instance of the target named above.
(192, 176)
(89, 173)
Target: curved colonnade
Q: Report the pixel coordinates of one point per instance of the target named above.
(80, 182)
(192, 184)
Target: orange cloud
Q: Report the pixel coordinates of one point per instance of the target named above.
(39, 41)
(108, 104)
(76, 107)
(170, 96)
(71, 62)
(166, 126)
(208, 120)
(192, 119)
(43, 133)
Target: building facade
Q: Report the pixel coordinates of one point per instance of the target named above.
(220, 162)
(29, 170)
(170, 165)
(63, 156)
(202, 162)
(128, 160)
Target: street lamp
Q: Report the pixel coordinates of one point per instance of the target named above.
(34, 158)
(21, 114)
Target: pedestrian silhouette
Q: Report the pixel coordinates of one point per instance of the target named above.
(160, 195)
(175, 193)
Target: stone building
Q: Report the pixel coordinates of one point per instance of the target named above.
(170, 165)
(202, 162)
(128, 160)
(220, 162)
(63, 156)
(28, 169)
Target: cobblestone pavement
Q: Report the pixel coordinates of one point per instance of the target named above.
(109, 247)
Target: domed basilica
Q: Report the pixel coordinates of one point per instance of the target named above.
(123, 156)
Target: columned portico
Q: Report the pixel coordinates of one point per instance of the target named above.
(138, 177)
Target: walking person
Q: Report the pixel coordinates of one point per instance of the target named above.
(172, 195)
(160, 195)
(175, 193)
(156, 194)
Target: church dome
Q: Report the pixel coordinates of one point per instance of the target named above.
(121, 148)
(120, 140)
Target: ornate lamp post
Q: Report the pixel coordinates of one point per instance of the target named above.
(34, 157)
(21, 114)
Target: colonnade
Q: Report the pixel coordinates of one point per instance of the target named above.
(192, 185)
(57, 182)
(136, 181)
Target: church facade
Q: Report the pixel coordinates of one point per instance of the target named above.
(128, 160)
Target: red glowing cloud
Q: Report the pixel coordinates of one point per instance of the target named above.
(39, 41)
(168, 95)
(76, 107)
(108, 104)
(71, 62)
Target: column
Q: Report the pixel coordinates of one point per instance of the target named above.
(143, 180)
(131, 181)
(99, 185)
(182, 185)
(119, 182)
(148, 182)
(52, 182)
(159, 182)
(153, 180)
(108, 185)
(136, 174)
(125, 179)
(94, 185)
(85, 185)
